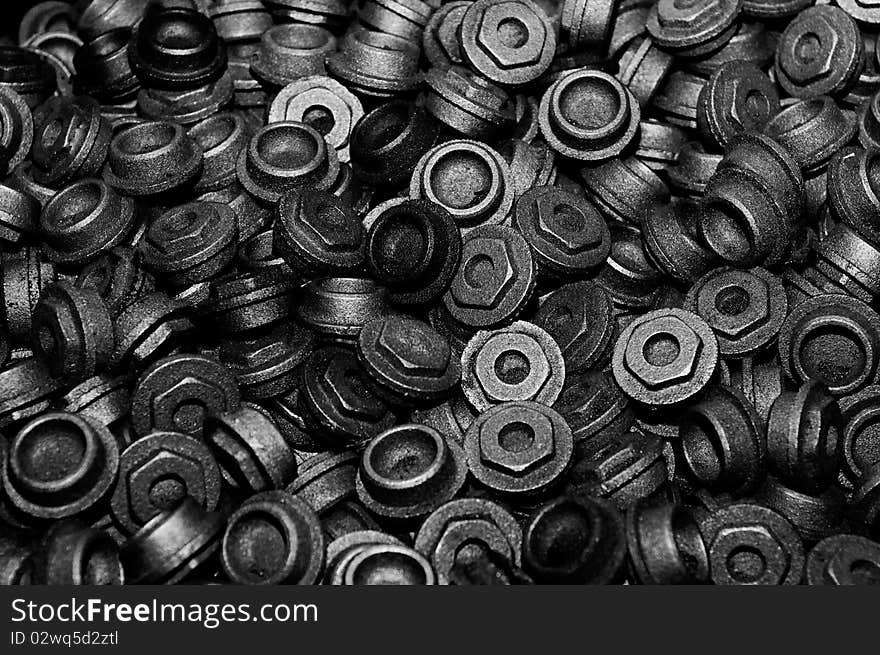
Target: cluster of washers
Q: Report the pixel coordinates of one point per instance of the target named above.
(423, 292)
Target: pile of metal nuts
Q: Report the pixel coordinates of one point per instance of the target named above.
(411, 292)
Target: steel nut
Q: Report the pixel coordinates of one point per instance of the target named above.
(516, 448)
(738, 552)
(663, 352)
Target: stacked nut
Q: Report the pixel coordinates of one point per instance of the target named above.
(493, 292)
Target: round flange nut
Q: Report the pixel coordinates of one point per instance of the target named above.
(623, 469)
(845, 560)
(567, 234)
(102, 398)
(595, 408)
(407, 360)
(317, 233)
(834, 339)
(803, 438)
(852, 190)
(176, 49)
(289, 52)
(821, 52)
(284, 156)
(812, 131)
(739, 97)
(240, 21)
(273, 538)
(723, 443)
(382, 564)
(519, 362)
(670, 234)
(753, 545)
(28, 74)
(265, 365)
(337, 400)
(250, 451)
(72, 553)
(16, 129)
(85, 219)
(25, 388)
(72, 331)
(252, 300)
(47, 16)
(60, 465)
(413, 247)
(150, 158)
(100, 16)
(462, 529)
(510, 42)
(814, 516)
(860, 439)
(172, 544)
(579, 317)
(629, 276)
(659, 144)
(323, 103)
(588, 23)
(643, 68)
(149, 328)
(519, 449)
(665, 356)
(19, 214)
(571, 540)
(338, 307)
(179, 392)
(103, 70)
(376, 65)
(467, 178)
(158, 471)
(745, 308)
(70, 140)
(190, 243)
(408, 471)
(403, 19)
(468, 104)
(388, 142)
(665, 544)
(624, 189)
(440, 37)
(676, 100)
(326, 480)
(25, 274)
(494, 280)
(693, 29)
(222, 137)
(752, 202)
(602, 133)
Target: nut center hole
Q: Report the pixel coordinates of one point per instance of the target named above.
(320, 118)
(808, 47)
(516, 437)
(512, 367)
(865, 572)
(166, 492)
(661, 349)
(732, 300)
(569, 218)
(513, 33)
(746, 564)
(478, 271)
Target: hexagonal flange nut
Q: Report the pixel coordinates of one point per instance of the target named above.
(148, 328)
(519, 362)
(821, 52)
(408, 358)
(323, 103)
(495, 278)
(510, 42)
(519, 449)
(751, 544)
(157, 471)
(178, 392)
(693, 28)
(745, 308)
(665, 357)
(462, 521)
(338, 307)
(567, 234)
